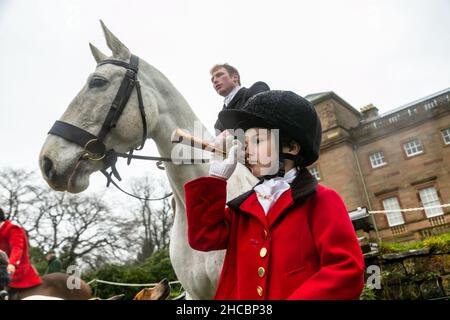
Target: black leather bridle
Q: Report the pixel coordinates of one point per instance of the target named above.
(93, 145)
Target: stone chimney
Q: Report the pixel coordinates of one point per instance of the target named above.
(369, 111)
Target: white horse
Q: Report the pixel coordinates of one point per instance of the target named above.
(166, 110)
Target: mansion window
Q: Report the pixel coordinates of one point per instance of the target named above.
(430, 198)
(377, 159)
(413, 147)
(446, 135)
(315, 173)
(393, 214)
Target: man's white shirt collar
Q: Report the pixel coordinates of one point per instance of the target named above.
(231, 95)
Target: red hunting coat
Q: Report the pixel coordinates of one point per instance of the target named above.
(15, 244)
(305, 248)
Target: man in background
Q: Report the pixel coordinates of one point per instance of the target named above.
(227, 83)
(54, 264)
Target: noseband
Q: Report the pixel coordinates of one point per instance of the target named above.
(93, 145)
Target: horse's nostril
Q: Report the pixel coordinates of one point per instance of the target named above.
(48, 168)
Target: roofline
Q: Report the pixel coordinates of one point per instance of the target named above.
(332, 95)
(414, 102)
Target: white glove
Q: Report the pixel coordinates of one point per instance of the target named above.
(224, 168)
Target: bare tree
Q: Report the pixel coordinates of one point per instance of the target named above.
(155, 218)
(82, 228)
(19, 194)
(162, 225)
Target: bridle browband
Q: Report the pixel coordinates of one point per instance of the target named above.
(94, 145)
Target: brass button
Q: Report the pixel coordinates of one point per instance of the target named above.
(259, 290)
(261, 271)
(265, 234)
(263, 252)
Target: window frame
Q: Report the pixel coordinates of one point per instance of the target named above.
(387, 214)
(409, 156)
(438, 199)
(379, 165)
(443, 137)
(318, 172)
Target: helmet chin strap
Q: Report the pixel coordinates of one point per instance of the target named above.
(281, 163)
(283, 156)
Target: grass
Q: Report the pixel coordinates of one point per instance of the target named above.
(436, 244)
(367, 294)
(175, 291)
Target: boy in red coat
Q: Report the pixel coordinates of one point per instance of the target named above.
(289, 237)
(14, 243)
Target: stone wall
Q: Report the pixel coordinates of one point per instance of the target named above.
(410, 275)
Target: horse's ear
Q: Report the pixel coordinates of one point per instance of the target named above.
(98, 55)
(118, 49)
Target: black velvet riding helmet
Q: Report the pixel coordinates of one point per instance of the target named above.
(293, 115)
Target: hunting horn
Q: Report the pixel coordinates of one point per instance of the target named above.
(179, 136)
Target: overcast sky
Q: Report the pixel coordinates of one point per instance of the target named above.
(384, 52)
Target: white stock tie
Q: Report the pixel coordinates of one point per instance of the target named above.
(269, 191)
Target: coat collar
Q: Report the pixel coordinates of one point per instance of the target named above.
(303, 186)
(236, 98)
(231, 95)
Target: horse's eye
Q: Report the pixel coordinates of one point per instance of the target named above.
(97, 83)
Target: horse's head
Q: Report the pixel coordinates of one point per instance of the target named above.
(66, 165)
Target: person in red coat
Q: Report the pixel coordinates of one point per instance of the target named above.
(14, 243)
(289, 237)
